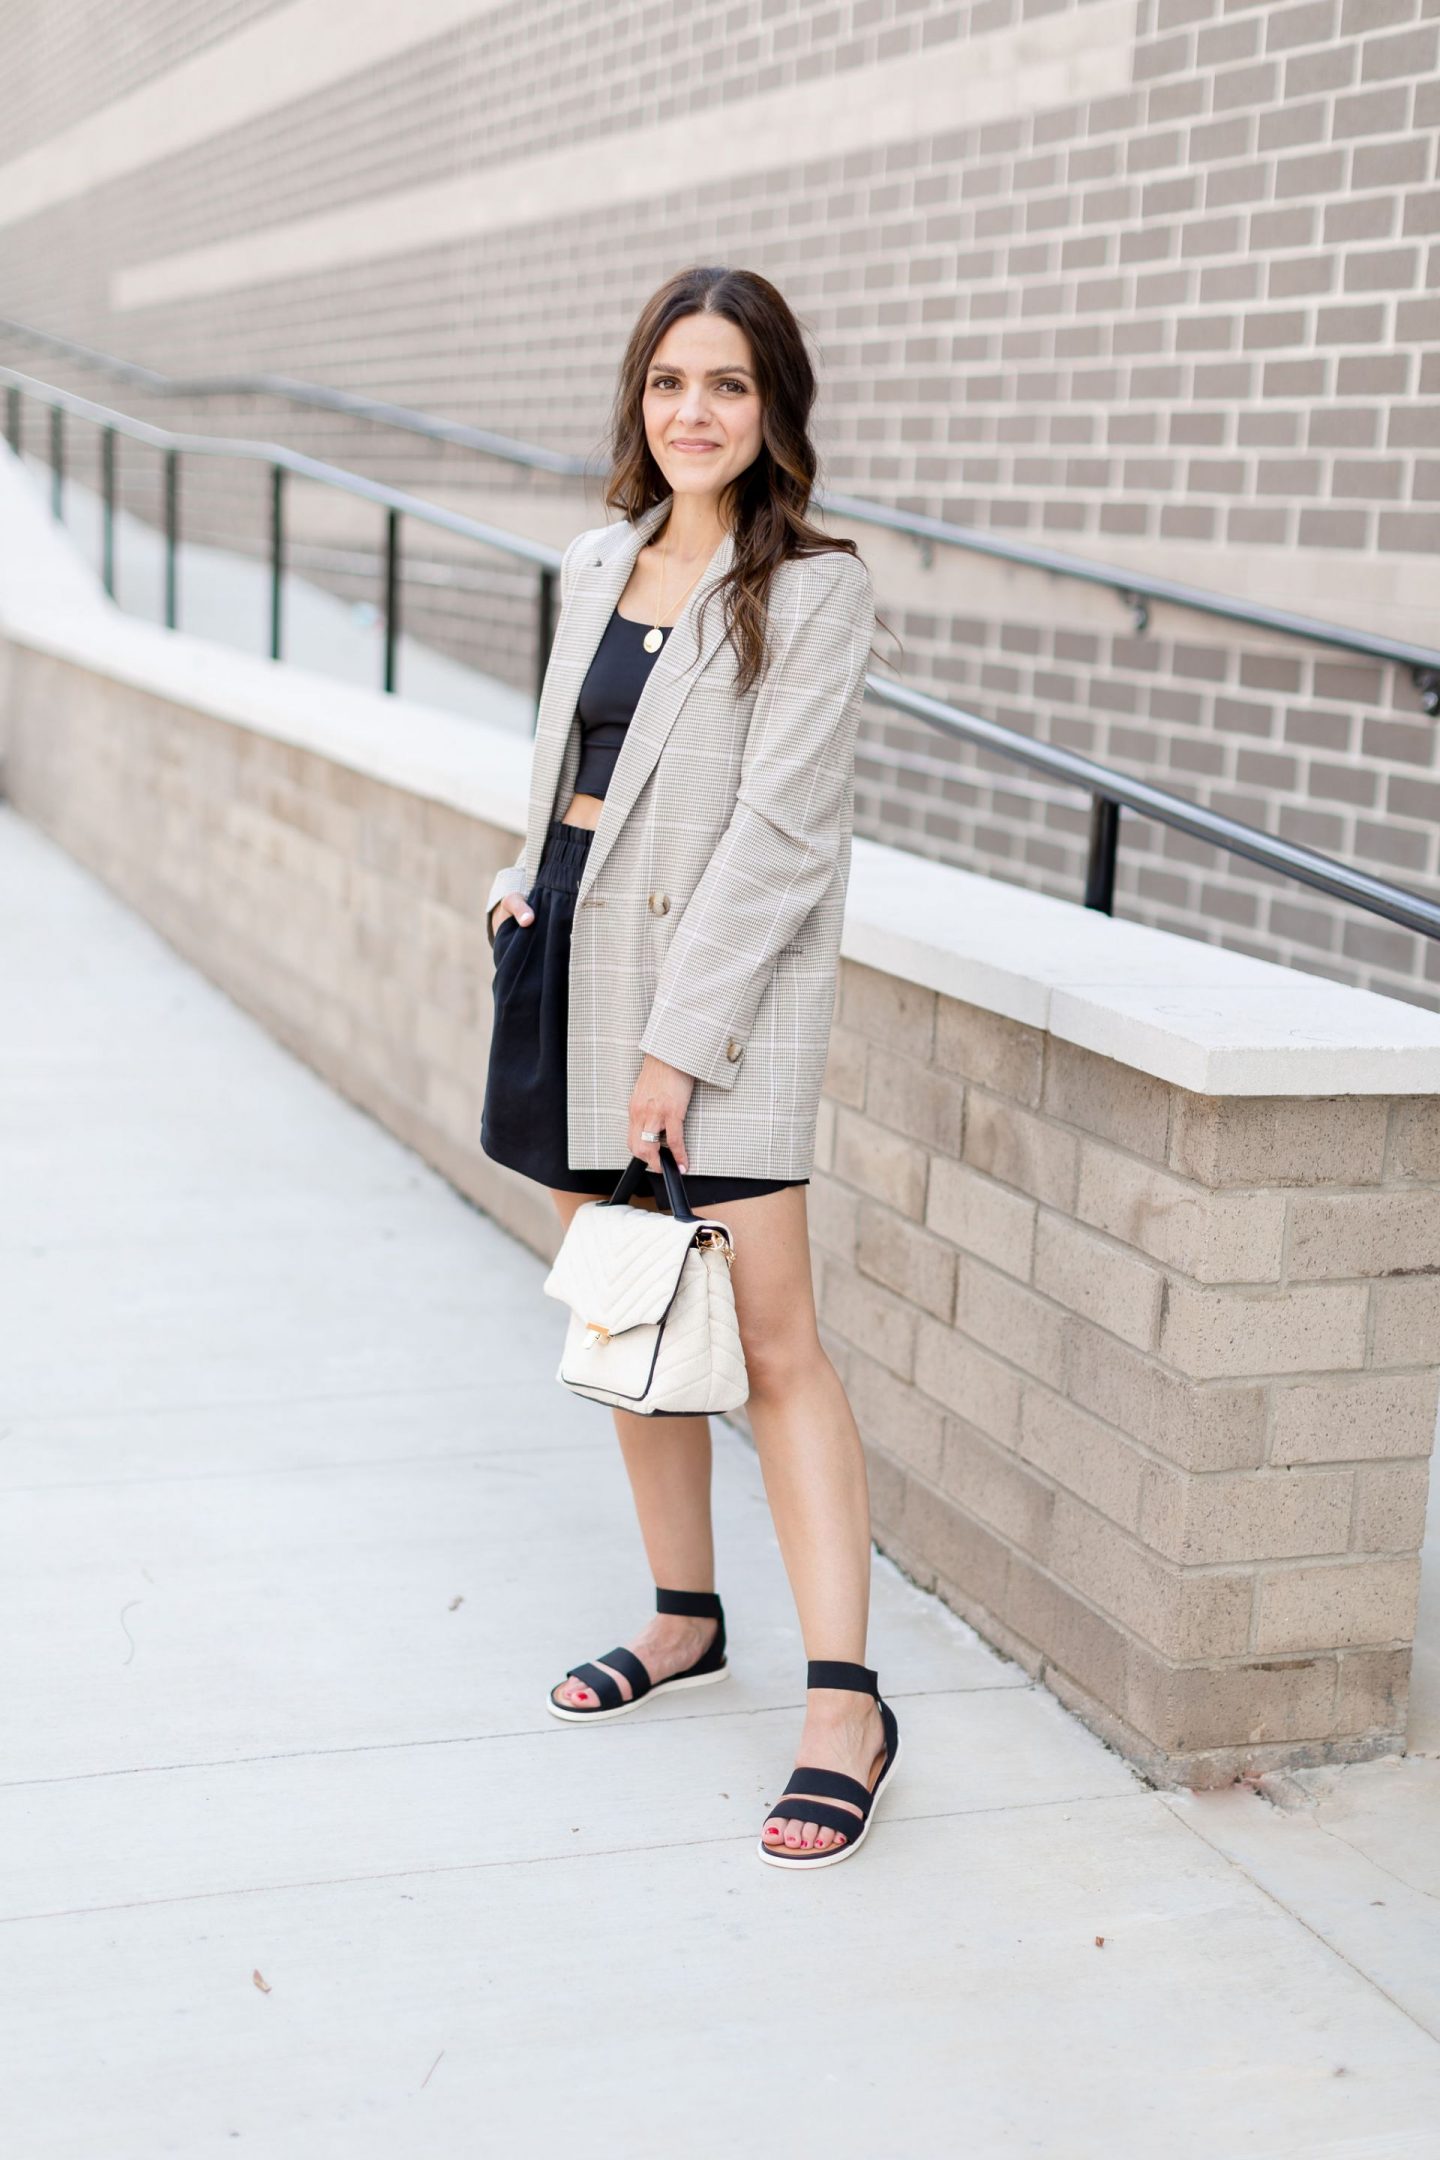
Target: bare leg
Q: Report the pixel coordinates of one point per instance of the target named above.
(814, 1470)
(668, 1463)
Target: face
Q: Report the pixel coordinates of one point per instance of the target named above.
(702, 406)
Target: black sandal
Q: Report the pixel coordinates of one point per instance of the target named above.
(711, 1665)
(833, 1784)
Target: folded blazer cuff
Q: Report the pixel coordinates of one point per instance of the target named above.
(514, 878)
(694, 1045)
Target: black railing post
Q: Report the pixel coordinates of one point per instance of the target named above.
(172, 537)
(1104, 844)
(392, 594)
(277, 555)
(107, 521)
(544, 634)
(57, 462)
(12, 417)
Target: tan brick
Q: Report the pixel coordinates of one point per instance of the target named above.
(1106, 1098)
(1414, 1144)
(993, 1308)
(1216, 1237)
(1333, 1606)
(1089, 1646)
(990, 1482)
(981, 1217)
(956, 1372)
(1372, 1694)
(1223, 1333)
(1335, 1235)
(1354, 1420)
(869, 1317)
(825, 1115)
(832, 1211)
(1182, 1616)
(905, 1096)
(889, 1484)
(1017, 1148)
(1095, 1278)
(845, 1067)
(1279, 1139)
(901, 1015)
(960, 1549)
(1262, 1515)
(906, 1259)
(1198, 1425)
(998, 1053)
(1184, 1709)
(880, 1163)
(1090, 1460)
(894, 1417)
(1390, 1505)
(1407, 1321)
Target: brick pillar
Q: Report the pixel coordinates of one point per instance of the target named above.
(1147, 1379)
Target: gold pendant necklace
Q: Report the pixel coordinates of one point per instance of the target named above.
(655, 638)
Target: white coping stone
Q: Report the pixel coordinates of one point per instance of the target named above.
(1196, 1015)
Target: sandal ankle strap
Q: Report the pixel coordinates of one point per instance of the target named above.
(691, 1604)
(836, 1673)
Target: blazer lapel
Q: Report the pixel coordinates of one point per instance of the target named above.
(596, 583)
(676, 665)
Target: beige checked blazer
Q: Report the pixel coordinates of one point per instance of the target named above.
(707, 923)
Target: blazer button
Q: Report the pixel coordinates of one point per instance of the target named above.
(732, 1050)
(659, 903)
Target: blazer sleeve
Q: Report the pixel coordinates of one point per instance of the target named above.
(517, 876)
(778, 852)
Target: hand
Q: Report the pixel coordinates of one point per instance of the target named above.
(659, 1102)
(514, 903)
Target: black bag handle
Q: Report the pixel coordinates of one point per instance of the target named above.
(633, 1180)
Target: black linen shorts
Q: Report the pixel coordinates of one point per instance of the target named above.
(522, 1119)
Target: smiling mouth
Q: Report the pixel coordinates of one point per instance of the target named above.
(694, 446)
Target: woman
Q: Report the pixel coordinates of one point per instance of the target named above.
(666, 952)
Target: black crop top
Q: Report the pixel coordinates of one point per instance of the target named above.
(608, 697)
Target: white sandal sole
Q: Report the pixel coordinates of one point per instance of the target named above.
(636, 1702)
(776, 1855)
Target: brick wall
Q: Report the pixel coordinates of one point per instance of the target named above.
(1147, 1379)
(1186, 320)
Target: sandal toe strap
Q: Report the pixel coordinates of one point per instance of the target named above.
(819, 1811)
(603, 1684)
(625, 1661)
(831, 1785)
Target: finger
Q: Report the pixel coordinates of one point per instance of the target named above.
(677, 1145)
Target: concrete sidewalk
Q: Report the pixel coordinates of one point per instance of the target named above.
(298, 1527)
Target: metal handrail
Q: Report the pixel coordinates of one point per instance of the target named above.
(396, 503)
(1109, 791)
(1138, 588)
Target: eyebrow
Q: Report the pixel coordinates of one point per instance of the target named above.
(671, 369)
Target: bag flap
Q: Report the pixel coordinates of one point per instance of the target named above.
(617, 1267)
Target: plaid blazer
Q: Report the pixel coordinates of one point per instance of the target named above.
(707, 923)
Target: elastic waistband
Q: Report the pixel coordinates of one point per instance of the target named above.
(562, 858)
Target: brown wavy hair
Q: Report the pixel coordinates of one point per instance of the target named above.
(765, 505)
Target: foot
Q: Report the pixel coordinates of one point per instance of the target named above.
(669, 1643)
(843, 1731)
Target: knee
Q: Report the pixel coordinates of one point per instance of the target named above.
(778, 1360)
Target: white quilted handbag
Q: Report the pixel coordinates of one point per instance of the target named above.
(652, 1313)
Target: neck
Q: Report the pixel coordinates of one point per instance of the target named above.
(692, 530)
